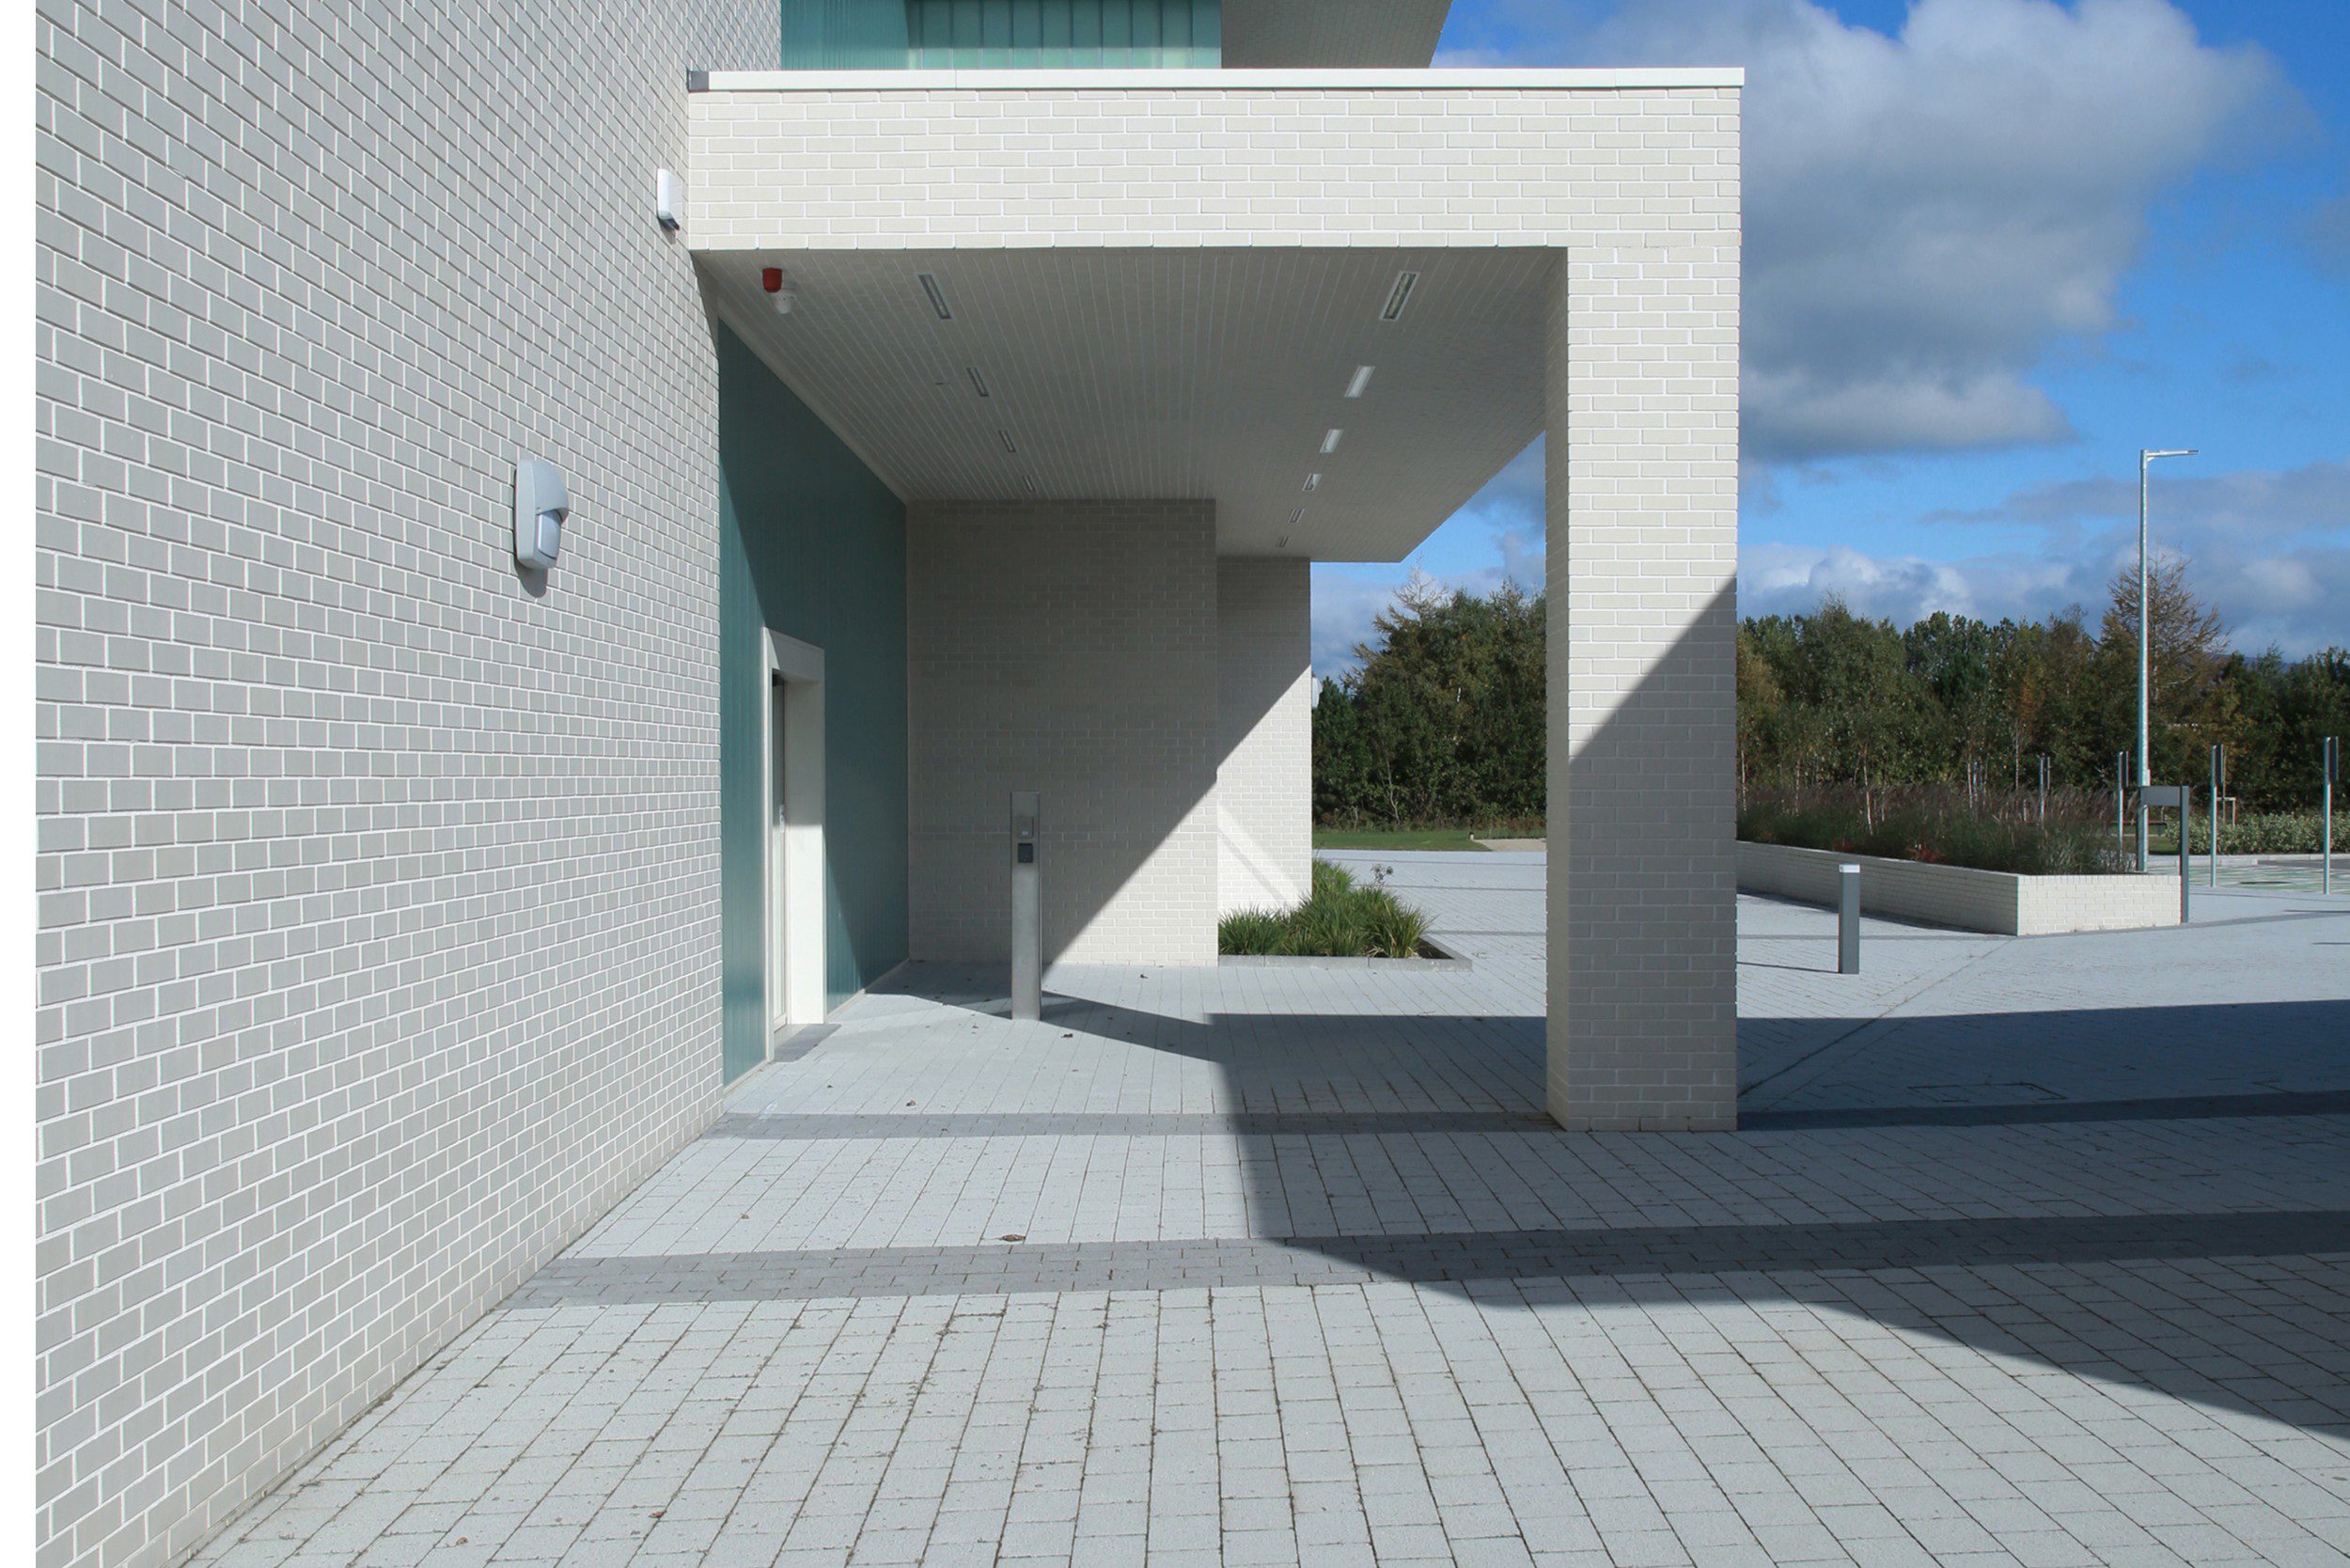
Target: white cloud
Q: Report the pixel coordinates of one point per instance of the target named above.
(2246, 504)
(2269, 549)
(1929, 212)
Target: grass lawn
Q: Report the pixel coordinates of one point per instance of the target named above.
(1395, 839)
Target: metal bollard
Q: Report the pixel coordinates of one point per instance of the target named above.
(2186, 843)
(1027, 907)
(1848, 919)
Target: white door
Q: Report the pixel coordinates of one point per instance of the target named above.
(795, 834)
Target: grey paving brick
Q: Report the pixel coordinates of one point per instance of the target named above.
(1304, 1278)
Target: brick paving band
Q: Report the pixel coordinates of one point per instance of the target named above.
(893, 1124)
(2193, 1108)
(819, 1127)
(1449, 1256)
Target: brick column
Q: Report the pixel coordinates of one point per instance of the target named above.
(1642, 385)
(1263, 733)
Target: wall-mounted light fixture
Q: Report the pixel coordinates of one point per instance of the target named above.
(542, 503)
(669, 199)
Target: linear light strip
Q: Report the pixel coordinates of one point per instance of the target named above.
(1398, 296)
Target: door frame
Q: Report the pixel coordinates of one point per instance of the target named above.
(791, 864)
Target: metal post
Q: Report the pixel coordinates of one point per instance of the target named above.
(2121, 798)
(1027, 908)
(2186, 843)
(2219, 782)
(2332, 765)
(1848, 919)
(2145, 621)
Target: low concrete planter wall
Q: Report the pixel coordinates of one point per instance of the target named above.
(1447, 958)
(2003, 902)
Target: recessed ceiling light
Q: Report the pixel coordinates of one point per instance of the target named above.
(1293, 517)
(1330, 441)
(938, 297)
(1398, 296)
(979, 382)
(1005, 436)
(1362, 379)
(1312, 481)
(1027, 483)
(1282, 542)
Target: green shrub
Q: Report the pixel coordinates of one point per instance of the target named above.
(1328, 928)
(1329, 881)
(2257, 832)
(1251, 930)
(1392, 930)
(1339, 919)
(1943, 824)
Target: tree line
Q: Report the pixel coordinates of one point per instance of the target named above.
(1442, 720)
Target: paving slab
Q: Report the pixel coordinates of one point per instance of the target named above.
(2029, 1250)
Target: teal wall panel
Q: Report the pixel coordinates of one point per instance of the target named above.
(963, 35)
(844, 35)
(813, 545)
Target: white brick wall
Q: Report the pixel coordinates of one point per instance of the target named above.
(1642, 494)
(2001, 902)
(1222, 165)
(1636, 187)
(1068, 648)
(1264, 732)
(379, 943)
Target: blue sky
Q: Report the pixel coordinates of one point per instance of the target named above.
(1993, 248)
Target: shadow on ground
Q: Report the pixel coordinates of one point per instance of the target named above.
(2227, 1309)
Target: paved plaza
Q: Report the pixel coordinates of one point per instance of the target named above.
(2028, 1252)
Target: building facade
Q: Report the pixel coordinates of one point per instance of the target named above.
(951, 399)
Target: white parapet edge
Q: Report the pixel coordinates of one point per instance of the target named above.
(1644, 79)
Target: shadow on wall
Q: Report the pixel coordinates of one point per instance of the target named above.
(1263, 731)
(812, 545)
(1070, 648)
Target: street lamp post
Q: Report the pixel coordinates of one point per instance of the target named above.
(2144, 620)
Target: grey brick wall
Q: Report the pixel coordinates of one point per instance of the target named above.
(1264, 732)
(1068, 648)
(378, 890)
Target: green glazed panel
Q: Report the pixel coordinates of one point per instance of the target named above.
(813, 545)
